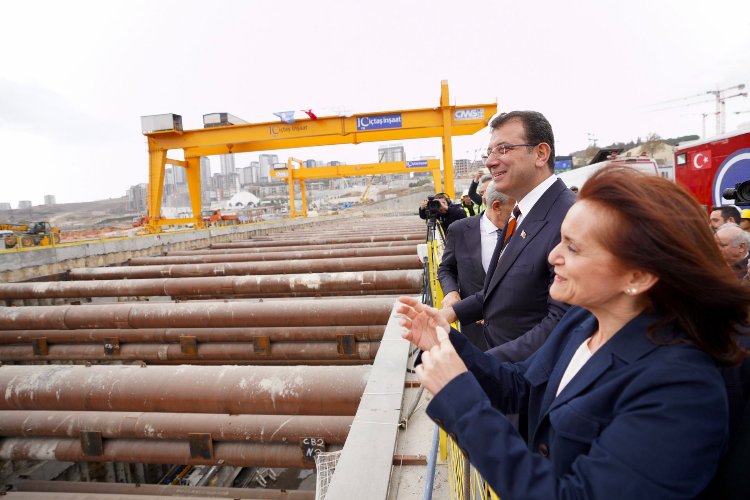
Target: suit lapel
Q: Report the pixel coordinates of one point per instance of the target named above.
(577, 336)
(629, 344)
(529, 227)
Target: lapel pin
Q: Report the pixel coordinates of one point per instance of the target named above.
(523, 235)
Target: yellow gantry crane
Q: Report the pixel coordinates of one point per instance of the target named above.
(301, 174)
(444, 121)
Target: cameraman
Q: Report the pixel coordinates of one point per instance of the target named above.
(446, 211)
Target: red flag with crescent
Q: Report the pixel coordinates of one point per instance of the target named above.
(702, 159)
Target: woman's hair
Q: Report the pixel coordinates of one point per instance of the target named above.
(655, 225)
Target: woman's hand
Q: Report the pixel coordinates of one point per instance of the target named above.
(420, 322)
(440, 365)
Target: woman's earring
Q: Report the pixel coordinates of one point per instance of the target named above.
(631, 291)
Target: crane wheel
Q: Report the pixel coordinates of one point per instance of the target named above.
(27, 241)
(11, 241)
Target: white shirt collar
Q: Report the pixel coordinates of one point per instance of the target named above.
(526, 203)
(486, 225)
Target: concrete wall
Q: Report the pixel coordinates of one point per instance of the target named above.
(24, 265)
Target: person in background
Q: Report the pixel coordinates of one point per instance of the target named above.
(478, 186)
(468, 205)
(734, 243)
(448, 213)
(745, 221)
(721, 215)
(468, 250)
(625, 399)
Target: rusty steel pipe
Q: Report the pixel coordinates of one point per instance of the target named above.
(265, 362)
(154, 452)
(300, 295)
(256, 390)
(79, 490)
(273, 256)
(312, 240)
(161, 426)
(199, 315)
(363, 333)
(300, 248)
(354, 227)
(237, 352)
(354, 264)
(408, 281)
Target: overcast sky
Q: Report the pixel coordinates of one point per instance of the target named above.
(76, 76)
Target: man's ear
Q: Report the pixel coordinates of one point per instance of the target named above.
(542, 155)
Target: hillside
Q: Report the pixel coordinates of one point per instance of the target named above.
(70, 216)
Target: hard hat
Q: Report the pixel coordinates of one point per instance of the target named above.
(746, 213)
(465, 193)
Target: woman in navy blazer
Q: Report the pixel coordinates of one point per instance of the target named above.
(624, 399)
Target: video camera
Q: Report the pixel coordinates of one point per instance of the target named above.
(740, 193)
(433, 207)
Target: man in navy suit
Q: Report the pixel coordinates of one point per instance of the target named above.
(469, 246)
(514, 302)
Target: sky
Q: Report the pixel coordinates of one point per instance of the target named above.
(76, 76)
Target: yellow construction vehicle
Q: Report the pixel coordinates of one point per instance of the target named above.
(31, 235)
(363, 199)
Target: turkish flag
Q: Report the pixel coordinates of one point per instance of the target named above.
(702, 159)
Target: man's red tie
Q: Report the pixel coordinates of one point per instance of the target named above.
(512, 223)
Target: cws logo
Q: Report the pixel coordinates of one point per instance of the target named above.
(733, 170)
(379, 122)
(416, 163)
(468, 114)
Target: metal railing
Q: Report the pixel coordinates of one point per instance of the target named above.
(465, 482)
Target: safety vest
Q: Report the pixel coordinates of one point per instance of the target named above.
(476, 211)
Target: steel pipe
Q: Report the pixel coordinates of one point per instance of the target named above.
(165, 426)
(407, 281)
(234, 353)
(256, 390)
(296, 238)
(274, 256)
(79, 490)
(300, 248)
(364, 333)
(154, 452)
(199, 315)
(262, 362)
(354, 227)
(354, 264)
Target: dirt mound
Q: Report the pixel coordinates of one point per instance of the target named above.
(98, 215)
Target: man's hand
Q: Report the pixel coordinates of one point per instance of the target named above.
(423, 205)
(440, 365)
(448, 314)
(420, 322)
(450, 299)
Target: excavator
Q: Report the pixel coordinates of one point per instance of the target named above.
(30, 235)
